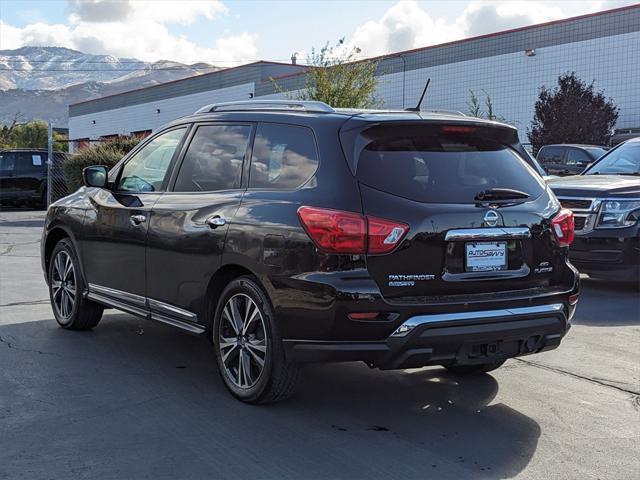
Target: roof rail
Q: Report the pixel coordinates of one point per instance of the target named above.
(280, 105)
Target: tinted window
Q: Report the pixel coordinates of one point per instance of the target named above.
(145, 171)
(32, 162)
(595, 152)
(623, 160)
(551, 154)
(577, 157)
(419, 164)
(214, 159)
(284, 156)
(8, 161)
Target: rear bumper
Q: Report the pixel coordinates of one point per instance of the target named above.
(443, 339)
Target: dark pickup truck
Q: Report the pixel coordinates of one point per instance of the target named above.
(605, 200)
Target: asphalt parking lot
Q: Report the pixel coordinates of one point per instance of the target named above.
(134, 399)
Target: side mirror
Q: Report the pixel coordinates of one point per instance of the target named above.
(95, 176)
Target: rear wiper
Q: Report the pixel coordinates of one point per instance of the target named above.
(500, 194)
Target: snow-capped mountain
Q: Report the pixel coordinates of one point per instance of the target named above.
(39, 82)
(53, 68)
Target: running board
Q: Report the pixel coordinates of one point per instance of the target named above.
(142, 307)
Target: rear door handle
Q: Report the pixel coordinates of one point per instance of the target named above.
(216, 221)
(137, 219)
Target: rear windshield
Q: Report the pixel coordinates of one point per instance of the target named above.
(426, 165)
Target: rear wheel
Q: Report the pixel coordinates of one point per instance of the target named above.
(474, 369)
(248, 348)
(71, 310)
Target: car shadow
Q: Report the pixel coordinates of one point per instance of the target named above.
(135, 399)
(608, 304)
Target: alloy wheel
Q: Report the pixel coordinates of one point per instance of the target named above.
(63, 285)
(242, 341)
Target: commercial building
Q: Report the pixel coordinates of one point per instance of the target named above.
(510, 67)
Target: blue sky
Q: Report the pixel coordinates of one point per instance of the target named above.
(232, 32)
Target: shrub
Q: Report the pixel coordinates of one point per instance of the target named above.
(573, 112)
(106, 153)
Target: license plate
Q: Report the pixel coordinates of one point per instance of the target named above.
(486, 256)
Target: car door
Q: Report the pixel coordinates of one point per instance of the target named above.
(552, 159)
(189, 223)
(577, 161)
(8, 171)
(31, 172)
(115, 225)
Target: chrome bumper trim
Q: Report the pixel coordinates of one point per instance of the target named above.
(419, 320)
(488, 233)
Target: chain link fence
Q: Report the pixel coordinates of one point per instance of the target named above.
(56, 182)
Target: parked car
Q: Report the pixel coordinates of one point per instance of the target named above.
(292, 232)
(568, 159)
(605, 200)
(23, 176)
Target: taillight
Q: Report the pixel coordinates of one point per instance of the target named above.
(384, 235)
(563, 227)
(335, 231)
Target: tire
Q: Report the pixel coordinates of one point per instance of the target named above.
(42, 203)
(70, 308)
(474, 369)
(240, 350)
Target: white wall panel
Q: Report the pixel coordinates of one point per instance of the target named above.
(513, 80)
(123, 121)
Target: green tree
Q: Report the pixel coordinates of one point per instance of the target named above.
(338, 79)
(474, 105)
(572, 112)
(6, 132)
(30, 135)
(60, 142)
(106, 153)
(475, 110)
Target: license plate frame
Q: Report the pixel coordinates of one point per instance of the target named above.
(485, 256)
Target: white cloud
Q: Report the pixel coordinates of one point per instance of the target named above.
(408, 25)
(177, 11)
(9, 36)
(481, 17)
(138, 30)
(99, 10)
(38, 34)
(163, 11)
(404, 26)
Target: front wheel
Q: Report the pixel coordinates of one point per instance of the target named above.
(248, 348)
(71, 310)
(474, 369)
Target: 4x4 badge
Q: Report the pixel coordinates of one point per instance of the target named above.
(491, 218)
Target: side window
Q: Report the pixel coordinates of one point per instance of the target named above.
(31, 162)
(214, 159)
(552, 155)
(145, 171)
(284, 156)
(8, 162)
(577, 157)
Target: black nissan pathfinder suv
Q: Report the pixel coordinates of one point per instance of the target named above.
(290, 232)
(606, 202)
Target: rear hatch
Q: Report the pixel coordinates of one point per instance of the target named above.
(478, 214)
